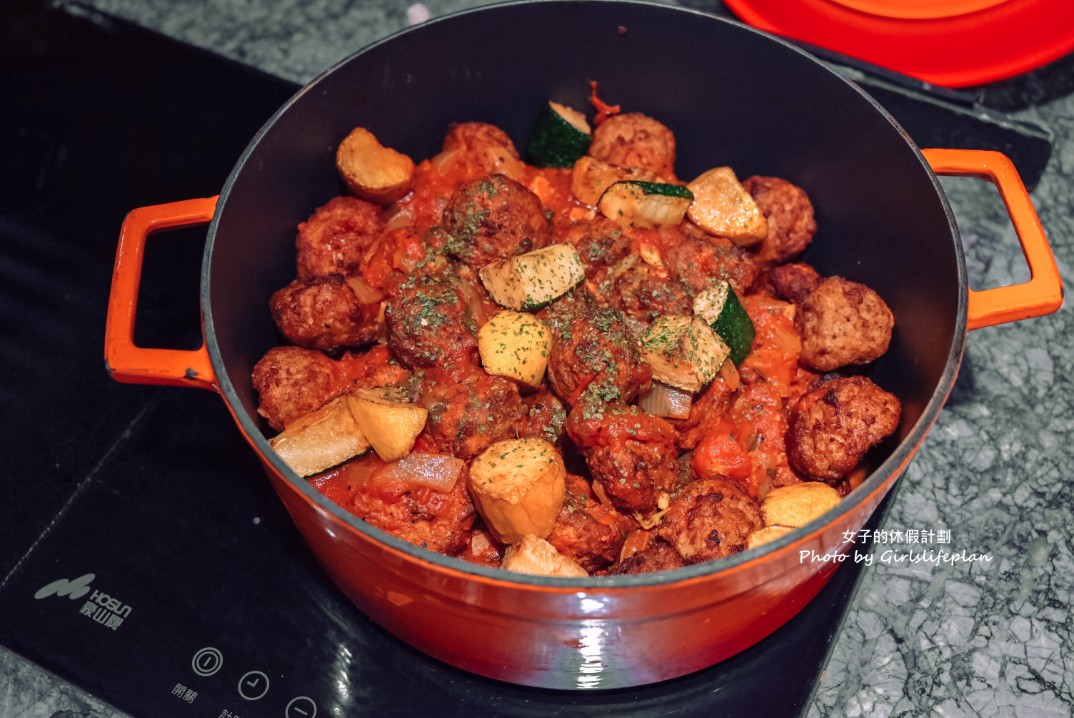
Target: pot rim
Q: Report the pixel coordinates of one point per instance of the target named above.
(872, 488)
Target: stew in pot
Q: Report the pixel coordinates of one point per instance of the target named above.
(570, 361)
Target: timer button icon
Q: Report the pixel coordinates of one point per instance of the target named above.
(253, 685)
(207, 661)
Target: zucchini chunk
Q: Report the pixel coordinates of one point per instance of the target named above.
(515, 345)
(390, 422)
(683, 351)
(645, 204)
(561, 136)
(372, 171)
(724, 208)
(720, 307)
(538, 557)
(590, 177)
(518, 486)
(320, 439)
(531, 280)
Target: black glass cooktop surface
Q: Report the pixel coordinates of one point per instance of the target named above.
(144, 557)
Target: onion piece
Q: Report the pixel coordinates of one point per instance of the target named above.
(363, 291)
(443, 161)
(402, 218)
(434, 471)
(664, 400)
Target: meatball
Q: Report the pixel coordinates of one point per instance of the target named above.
(430, 323)
(588, 531)
(658, 556)
(477, 137)
(545, 417)
(493, 218)
(789, 213)
(710, 519)
(640, 291)
(436, 520)
(336, 235)
(468, 414)
(635, 140)
(592, 345)
(700, 260)
(833, 426)
(292, 381)
(481, 149)
(324, 313)
(630, 454)
(793, 281)
(600, 242)
(843, 322)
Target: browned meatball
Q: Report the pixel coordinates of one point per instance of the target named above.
(710, 519)
(586, 530)
(478, 149)
(789, 212)
(430, 324)
(843, 322)
(468, 414)
(436, 520)
(336, 235)
(592, 345)
(700, 260)
(658, 556)
(292, 381)
(630, 454)
(833, 426)
(600, 241)
(641, 291)
(477, 137)
(493, 218)
(635, 140)
(545, 417)
(324, 313)
(793, 281)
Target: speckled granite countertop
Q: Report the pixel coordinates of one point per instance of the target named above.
(968, 639)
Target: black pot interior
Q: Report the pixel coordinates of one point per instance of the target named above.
(732, 96)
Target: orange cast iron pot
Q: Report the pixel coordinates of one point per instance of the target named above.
(733, 96)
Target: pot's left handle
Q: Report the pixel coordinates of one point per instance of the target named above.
(126, 361)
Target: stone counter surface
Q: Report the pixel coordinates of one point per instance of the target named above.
(976, 639)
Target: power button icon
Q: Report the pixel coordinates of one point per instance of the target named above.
(207, 661)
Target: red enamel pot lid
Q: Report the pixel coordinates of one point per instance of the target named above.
(954, 43)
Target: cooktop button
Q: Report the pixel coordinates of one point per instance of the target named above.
(253, 686)
(300, 707)
(207, 661)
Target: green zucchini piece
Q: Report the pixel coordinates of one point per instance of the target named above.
(721, 308)
(645, 204)
(684, 351)
(531, 280)
(561, 136)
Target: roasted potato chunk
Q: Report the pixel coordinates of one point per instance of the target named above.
(538, 557)
(515, 345)
(390, 422)
(518, 487)
(372, 171)
(722, 207)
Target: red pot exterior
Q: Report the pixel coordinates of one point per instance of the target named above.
(566, 636)
(762, 107)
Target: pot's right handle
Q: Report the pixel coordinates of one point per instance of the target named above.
(126, 361)
(1043, 293)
